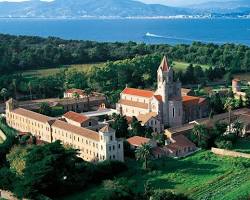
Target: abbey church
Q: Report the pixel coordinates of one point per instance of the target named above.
(167, 104)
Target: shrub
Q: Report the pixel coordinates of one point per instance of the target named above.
(7, 179)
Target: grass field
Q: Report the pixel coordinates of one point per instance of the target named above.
(178, 66)
(242, 145)
(181, 66)
(53, 71)
(200, 176)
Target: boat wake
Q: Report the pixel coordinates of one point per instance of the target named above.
(151, 35)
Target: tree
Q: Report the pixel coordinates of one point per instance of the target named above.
(144, 153)
(238, 128)
(16, 158)
(137, 128)
(229, 105)
(49, 170)
(14, 82)
(3, 93)
(88, 92)
(165, 195)
(76, 96)
(7, 179)
(30, 89)
(248, 97)
(200, 135)
(45, 109)
(120, 125)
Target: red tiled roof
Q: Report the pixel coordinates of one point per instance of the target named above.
(192, 100)
(75, 117)
(144, 118)
(158, 97)
(138, 141)
(78, 91)
(182, 141)
(32, 115)
(76, 130)
(138, 92)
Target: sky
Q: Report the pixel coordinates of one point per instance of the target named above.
(165, 2)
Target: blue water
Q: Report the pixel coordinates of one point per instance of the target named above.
(159, 31)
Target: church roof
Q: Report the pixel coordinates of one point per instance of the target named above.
(164, 64)
(187, 100)
(138, 92)
(144, 118)
(133, 104)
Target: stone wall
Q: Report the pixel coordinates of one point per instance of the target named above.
(225, 152)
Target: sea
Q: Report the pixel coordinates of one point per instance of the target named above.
(153, 31)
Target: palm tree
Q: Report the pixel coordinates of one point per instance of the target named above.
(3, 93)
(88, 92)
(229, 105)
(76, 96)
(238, 127)
(14, 86)
(198, 131)
(144, 153)
(30, 89)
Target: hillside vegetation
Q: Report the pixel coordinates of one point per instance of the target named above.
(26, 52)
(201, 176)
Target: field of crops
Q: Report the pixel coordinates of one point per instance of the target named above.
(201, 176)
(53, 71)
(178, 66)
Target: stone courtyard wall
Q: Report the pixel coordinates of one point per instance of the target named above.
(225, 152)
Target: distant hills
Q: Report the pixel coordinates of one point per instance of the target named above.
(86, 8)
(118, 9)
(239, 7)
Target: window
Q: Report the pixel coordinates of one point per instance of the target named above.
(173, 113)
(113, 156)
(119, 146)
(90, 124)
(111, 138)
(113, 147)
(109, 148)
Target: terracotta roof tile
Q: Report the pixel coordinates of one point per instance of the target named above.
(144, 118)
(133, 103)
(187, 100)
(76, 130)
(75, 117)
(138, 92)
(73, 90)
(33, 115)
(158, 97)
(138, 141)
(181, 140)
